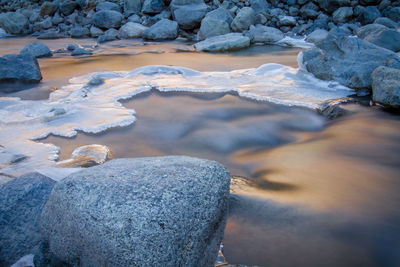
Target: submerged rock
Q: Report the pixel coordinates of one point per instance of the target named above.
(333, 109)
(21, 203)
(87, 156)
(2, 33)
(164, 29)
(79, 51)
(386, 86)
(163, 211)
(23, 67)
(347, 60)
(37, 49)
(227, 42)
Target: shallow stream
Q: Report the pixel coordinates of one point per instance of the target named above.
(307, 191)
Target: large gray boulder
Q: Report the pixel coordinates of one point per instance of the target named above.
(21, 203)
(13, 22)
(264, 34)
(348, 60)
(394, 14)
(212, 27)
(23, 67)
(226, 42)
(243, 19)
(190, 16)
(163, 211)
(37, 49)
(386, 86)
(132, 30)
(153, 7)
(164, 29)
(387, 38)
(107, 19)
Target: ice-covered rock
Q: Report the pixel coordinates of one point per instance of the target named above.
(164, 29)
(37, 49)
(164, 211)
(23, 67)
(21, 203)
(226, 42)
(87, 156)
(386, 86)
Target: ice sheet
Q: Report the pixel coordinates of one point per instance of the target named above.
(80, 106)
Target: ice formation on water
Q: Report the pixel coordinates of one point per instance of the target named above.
(87, 104)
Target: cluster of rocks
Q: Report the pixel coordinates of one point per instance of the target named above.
(365, 61)
(260, 20)
(163, 211)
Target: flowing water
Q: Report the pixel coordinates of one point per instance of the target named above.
(306, 191)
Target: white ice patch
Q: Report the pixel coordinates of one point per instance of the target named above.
(295, 42)
(93, 109)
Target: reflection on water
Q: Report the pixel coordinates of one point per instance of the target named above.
(317, 197)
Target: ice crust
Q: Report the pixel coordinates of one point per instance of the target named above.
(79, 106)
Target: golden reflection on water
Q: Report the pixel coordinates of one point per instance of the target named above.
(346, 167)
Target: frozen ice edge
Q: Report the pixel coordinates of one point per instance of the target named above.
(79, 106)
